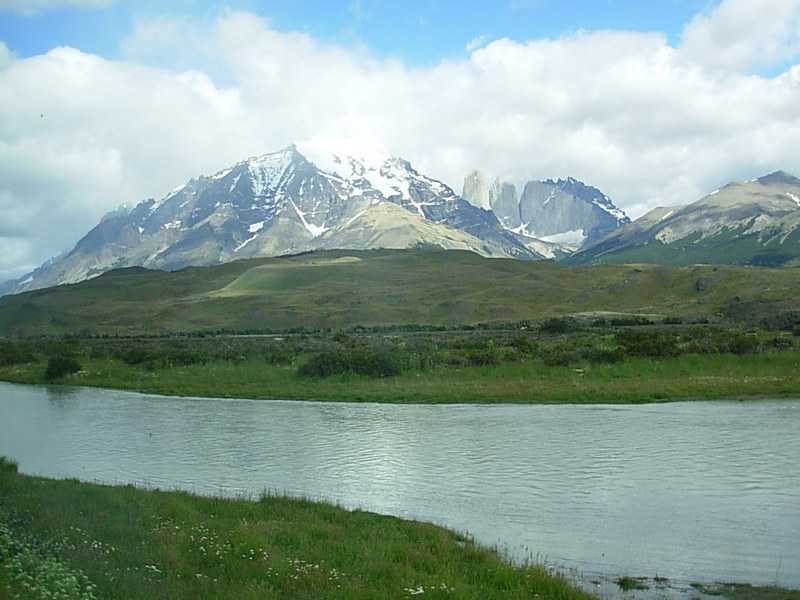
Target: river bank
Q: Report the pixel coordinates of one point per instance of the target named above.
(85, 541)
(587, 366)
(125, 542)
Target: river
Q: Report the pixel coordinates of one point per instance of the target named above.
(689, 491)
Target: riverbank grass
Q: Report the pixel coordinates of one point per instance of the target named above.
(125, 542)
(636, 380)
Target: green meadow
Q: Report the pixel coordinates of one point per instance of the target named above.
(79, 541)
(414, 326)
(589, 363)
(340, 290)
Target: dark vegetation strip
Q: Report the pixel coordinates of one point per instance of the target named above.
(622, 360)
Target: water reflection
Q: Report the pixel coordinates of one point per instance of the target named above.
(689, 491)
(59, 395)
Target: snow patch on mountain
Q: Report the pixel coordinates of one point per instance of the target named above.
(267, 171)
(345, 156)
(388, 182)
(314, 230)
(572, 239)
(609, 207)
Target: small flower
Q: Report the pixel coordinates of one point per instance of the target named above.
(415, 591)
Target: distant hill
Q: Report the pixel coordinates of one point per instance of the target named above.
(343, 289)
(752, 223)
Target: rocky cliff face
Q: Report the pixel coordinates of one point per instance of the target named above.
(565, 211)
(283, 203)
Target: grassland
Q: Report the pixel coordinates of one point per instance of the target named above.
(341, 289)
(413, 326)
(72, 540)
(590, 364)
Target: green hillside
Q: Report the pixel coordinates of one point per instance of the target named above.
(342, 289)
(729, 246)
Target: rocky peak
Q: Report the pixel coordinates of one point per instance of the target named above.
(779, 178)
(564, 211)
(475, 190)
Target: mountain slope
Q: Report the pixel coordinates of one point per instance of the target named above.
(749, 223)
(278, 204)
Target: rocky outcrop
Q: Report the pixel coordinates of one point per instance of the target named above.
(566, 211)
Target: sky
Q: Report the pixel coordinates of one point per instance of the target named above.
(657, 103)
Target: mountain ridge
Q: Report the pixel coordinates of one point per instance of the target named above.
(276, 204)
(755, 222)
(284, 203)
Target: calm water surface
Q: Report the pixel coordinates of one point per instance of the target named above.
(706, 491)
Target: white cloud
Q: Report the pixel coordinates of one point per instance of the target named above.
(478, 42)
(647, 123)
(37, 7)
(740, 35)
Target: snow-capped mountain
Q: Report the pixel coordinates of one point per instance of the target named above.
(750, 223)
(566, 212)
(283, 203)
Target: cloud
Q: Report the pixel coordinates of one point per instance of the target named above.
(740, 35)
(37, 7)
(478, 42)
(647, 123)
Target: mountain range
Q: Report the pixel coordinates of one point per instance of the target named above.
(282, 204)
(302, 199)
(755, 223)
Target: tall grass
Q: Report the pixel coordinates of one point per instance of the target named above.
(636, 379)
(123, 542)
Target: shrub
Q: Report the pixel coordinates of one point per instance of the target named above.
(61, 366)
(483, 358)
(647, 342)
(134, 356)
(630, 321)
(561, 357)
(522, 345)
(781, 343)
(14, 354)
(382, 362)
(324, 364)
(605, 355)
(740, 343)
(560, 325)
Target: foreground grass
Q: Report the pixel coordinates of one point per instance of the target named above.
(634, 380)
(66, 539)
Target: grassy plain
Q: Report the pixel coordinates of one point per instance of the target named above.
(589, 366)
(342, 289)
(66, 539)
